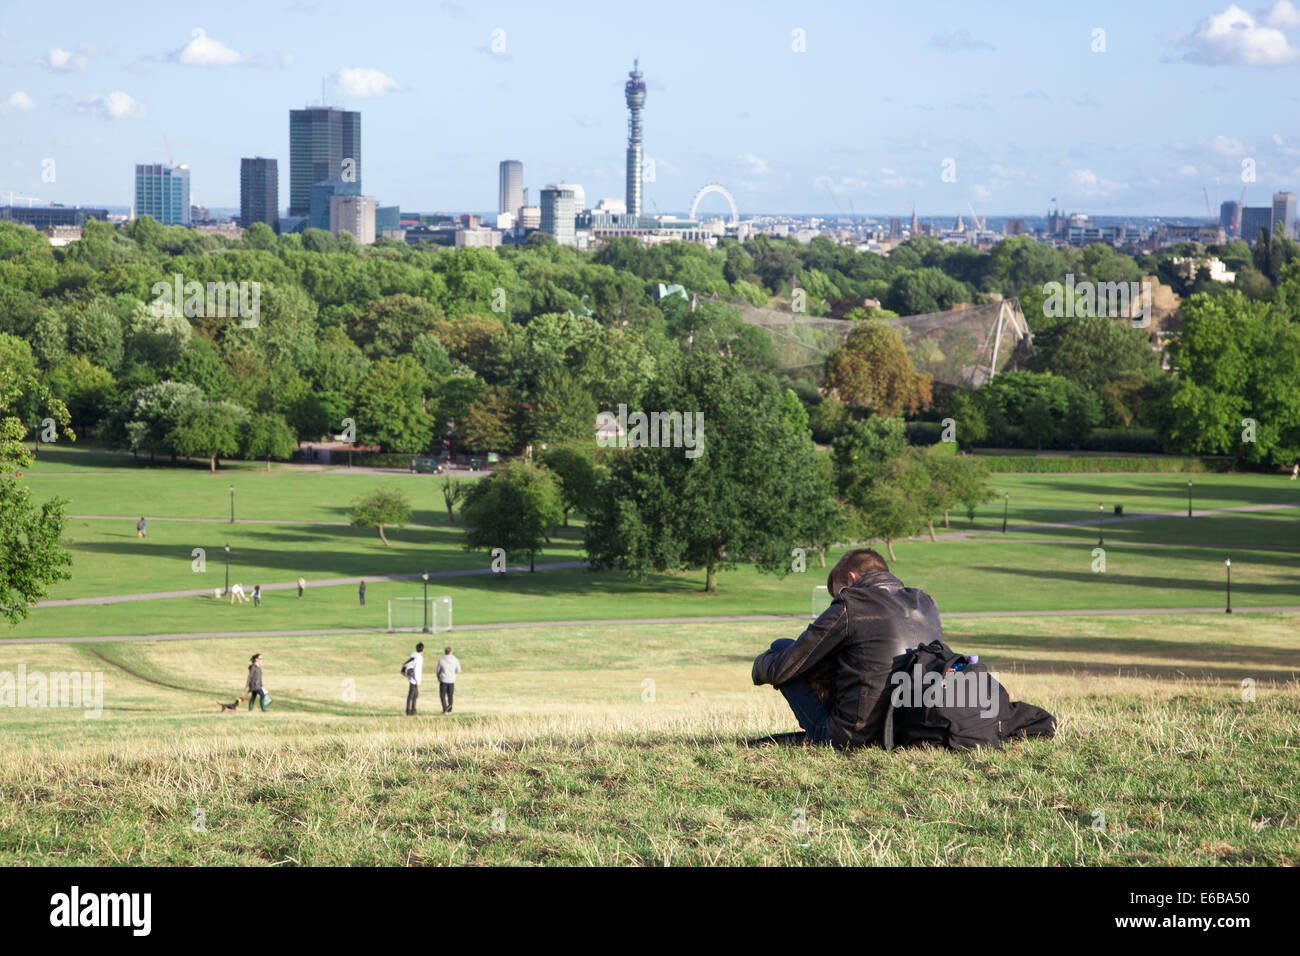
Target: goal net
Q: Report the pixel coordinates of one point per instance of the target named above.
(414, 614)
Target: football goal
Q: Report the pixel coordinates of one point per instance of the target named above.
(415, 614)
(819, 600)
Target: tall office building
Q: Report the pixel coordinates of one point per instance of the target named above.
(511, 193)
(259, 192)
(1230, 219)
(634, 93)
(1255, 219)
(355, 215)
(163, 192)
(558, 214)
(322, 195)
(1284, 214)
(323, 143)
(579, 196)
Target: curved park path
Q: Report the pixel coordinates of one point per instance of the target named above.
(630, 621)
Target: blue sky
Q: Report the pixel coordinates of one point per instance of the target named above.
(863, 117)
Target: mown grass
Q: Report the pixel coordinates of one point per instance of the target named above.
(555, 741)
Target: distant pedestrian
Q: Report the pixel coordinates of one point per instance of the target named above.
(361, 592)
(1295, 473)
(237, 591)
(140, 527)
(257, 595)
(413, 670)
(302, 583)
(254, 683)
(448, 668)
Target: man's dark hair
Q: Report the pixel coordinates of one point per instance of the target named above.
(446, 650)
(420, 646)
(859, 560)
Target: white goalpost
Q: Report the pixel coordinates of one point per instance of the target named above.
(824, 601)
(411, 614)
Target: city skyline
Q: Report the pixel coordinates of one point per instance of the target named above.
(813, 110)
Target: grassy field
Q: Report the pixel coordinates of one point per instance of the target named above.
(562, 744)
(628, 744)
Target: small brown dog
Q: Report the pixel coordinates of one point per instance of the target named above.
(231, 706)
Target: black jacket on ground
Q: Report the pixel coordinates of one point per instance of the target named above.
(855, 644)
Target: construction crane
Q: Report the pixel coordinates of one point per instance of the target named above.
(979, 223)
(1208, 211)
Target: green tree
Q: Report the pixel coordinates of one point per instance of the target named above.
(391, 407)
(873, 370)
(579, 476)
(378, 508)
(514, 510)
(208, 430)
(269, 436)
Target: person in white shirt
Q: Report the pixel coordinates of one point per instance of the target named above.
(414, 671)
(237, 591)
(448, 668)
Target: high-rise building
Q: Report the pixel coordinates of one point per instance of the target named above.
(579, 196)
(1015, 227)
(1253, 220)
(895, 227)
(510, 195)
(322, 194)
(558, 214)
(355, 215)
(259, 192)
(163, 192)
(634, 93)
(323, 143)
(1284, 214)
(1230, 219)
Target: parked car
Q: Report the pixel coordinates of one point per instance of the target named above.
(426, 466)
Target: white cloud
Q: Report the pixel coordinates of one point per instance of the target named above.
(17, 101)
(361, 82)
(959, 40)
(982, 192)
(757, 164)
(1088, 183)
(1283, 15)
(64, 62)
(1227, 146)
(115, 105)
(1186, 170)
(1234, 38)
(203, 50)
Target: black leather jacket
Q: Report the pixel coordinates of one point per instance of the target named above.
(854, 645)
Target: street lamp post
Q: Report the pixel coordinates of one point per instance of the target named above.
(232, 504)
(1101, 522)
(1227, 564)
(1189, 499)
(424, 576)
(1006, 499)
(227, 590)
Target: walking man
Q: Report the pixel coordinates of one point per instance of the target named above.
(448, 668)
(140, 528)
(414, 671)
(302, 583)
(257, 595)
(361, 592)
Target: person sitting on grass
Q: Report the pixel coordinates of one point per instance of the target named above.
(835, 677)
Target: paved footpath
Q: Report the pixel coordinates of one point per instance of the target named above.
(289, 586)
(631, 622)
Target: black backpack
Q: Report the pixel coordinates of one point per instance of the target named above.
(939, 697)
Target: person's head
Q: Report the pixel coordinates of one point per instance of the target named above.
(446, 650)
(256, 659)
(420, 647)
(853, 565)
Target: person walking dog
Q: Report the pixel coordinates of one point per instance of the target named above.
(254, 683)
